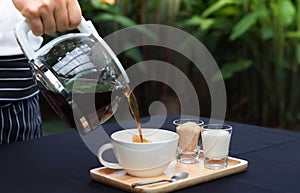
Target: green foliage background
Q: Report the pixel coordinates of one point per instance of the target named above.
(255, 43)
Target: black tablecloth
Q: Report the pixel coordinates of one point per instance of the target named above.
(61, 163)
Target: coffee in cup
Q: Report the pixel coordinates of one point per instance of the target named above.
(141, 159)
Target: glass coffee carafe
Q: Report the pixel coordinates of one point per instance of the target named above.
(78, 74)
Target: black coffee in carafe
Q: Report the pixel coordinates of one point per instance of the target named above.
(103, 107)
(77, 73)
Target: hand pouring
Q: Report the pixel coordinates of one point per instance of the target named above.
(79, 75)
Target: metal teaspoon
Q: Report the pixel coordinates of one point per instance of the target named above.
(178, 176)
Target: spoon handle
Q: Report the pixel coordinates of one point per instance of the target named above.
(148, 182)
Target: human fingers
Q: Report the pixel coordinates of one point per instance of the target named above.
(36, 26)
(74, 13)
(49, 16)
(39, 14)
(30, 12)
(61, 16)
(48, 19)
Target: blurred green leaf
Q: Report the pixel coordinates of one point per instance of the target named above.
(199, 21)
(288, 12)
(122, 20)
(224, 24)
(267, 32)
(96, 3)
(286, 64)
(293, 34)
(125, 22)
(105, 7)
(230, 10)
(298, 53)
(218, 5)
(150, 34)
(246, 23)
(133, 53)
(228, 70)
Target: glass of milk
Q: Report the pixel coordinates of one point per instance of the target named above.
(215, 141)
(188, 150)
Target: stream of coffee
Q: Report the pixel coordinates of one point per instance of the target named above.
(134, 109)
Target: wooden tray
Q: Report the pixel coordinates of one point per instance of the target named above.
(197, 174)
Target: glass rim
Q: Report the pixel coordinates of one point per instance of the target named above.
(177, 122)
(216, 126)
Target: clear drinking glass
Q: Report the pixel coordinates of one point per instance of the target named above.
(188, 150)
(216, 141)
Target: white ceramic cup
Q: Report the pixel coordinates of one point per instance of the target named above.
(141, 159)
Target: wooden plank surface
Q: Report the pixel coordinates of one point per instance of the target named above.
(197, 174)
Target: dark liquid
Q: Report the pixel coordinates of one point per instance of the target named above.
(101, 111)
(134, 109)
(88, 117)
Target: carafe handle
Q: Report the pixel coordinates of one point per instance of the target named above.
(22, 29)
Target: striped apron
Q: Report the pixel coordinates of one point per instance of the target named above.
(20, 117)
